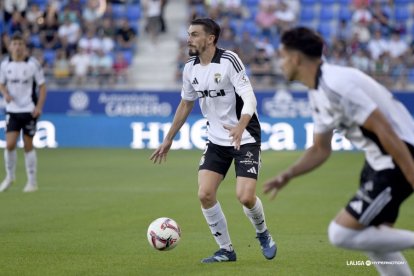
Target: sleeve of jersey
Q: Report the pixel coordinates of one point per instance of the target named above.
(242, 84)
(2, 74)
(39, 74)
(357, 105)
(187, 92)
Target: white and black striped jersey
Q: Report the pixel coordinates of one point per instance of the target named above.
(345, 97)
(218, 87)
(21, 79)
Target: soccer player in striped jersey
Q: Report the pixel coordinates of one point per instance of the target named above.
(20, 75)
(217, 78)
(348, 100)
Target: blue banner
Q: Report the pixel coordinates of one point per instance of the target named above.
(138, 120)
(279, 104)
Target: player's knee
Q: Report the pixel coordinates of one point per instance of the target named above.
(338, 235)
(10, 146)
(247, 200)
(206, 197)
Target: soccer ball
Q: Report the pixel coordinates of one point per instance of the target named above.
(163, 234)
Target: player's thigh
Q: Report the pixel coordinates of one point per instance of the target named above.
(208, 182)
(379, 197)
(11, 139)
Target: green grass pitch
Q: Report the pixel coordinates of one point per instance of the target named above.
(91, 214)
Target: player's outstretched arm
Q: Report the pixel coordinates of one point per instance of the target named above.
(393, 145)
(181, 114)
(311, 159)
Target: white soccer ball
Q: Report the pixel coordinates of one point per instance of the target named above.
(163, 234)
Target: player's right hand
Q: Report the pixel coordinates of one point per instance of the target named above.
(274, 185)
(8, 98)
(160, 154)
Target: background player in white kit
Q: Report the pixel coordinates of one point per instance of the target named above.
(347, 99)
(217, 77)
(19, 76)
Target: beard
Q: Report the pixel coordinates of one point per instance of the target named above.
(193, 53)
(196, 52)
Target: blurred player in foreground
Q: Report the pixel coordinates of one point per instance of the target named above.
(218, 79)
(20, 75)
(373, 120)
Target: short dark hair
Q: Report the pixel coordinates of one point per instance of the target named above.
(17, 36)
(303, 40)
(209, 26)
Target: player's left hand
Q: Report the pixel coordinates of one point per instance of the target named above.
(36, 112)
(235, 132)
(274, 185)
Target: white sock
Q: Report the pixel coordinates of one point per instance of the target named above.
(372, 239)
(31, 166)
(10, 159)
(218, 225)
(390, 263)
(256, 216)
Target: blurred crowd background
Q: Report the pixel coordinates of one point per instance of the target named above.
(142, 43)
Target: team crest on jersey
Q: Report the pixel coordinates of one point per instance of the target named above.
(217, 77)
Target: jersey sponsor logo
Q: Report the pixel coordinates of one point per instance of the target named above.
(210, 93)
(357, 206)
(252, 170)
(217, 78)
(249, 154)
(195, 81)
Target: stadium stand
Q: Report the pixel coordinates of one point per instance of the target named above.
(348, 26)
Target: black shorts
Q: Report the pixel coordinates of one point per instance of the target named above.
(218, 159)
(21, 121)
(379, 197)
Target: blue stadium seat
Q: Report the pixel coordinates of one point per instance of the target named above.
(402, 1)
(251, 27)
(307, 13)
(345, 13)
(345, 2)
(251, 3)
(38, 2)
(308, 2)
(49, 56)
(253, 12)
(328, 2)
(35, 41)
(325, 30)
(128, 55)
(327, 13)
(133, 12)
(411, 75)
(118, 11)
(401, 13)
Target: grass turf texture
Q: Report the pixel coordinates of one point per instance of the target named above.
(93, 208)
